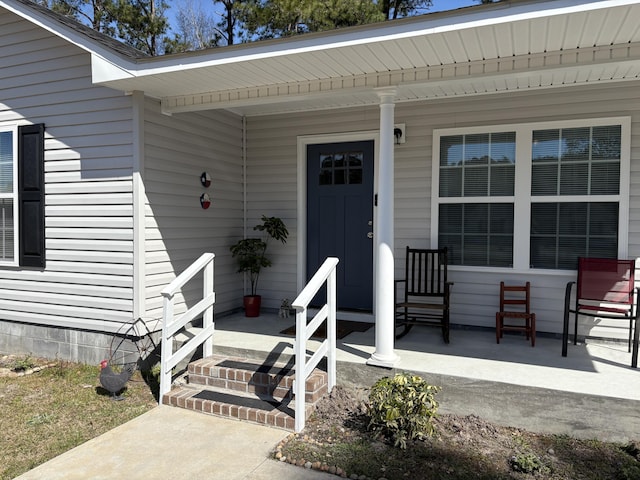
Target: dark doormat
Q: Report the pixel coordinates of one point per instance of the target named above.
(343, 328)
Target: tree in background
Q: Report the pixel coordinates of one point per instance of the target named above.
(139, 23)
(282, 18)
(273, 18)
(226, 27)
(196, 28)
(95, 13)
(393, 9)
(142, 24)
(331, 14)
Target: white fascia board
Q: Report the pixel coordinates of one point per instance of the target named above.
(104, 70)
(460, 19)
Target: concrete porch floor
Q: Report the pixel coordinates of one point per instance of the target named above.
(593, 392)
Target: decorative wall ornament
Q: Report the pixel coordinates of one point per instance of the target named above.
(205, 201)
(205, 179)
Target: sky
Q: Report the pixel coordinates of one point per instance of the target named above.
(439, 5)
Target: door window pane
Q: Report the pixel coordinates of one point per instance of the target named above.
(341, 168)
(326, 170)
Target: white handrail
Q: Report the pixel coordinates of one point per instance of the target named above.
(325, 274)
(171, 325)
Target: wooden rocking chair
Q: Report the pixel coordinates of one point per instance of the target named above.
(425, 298)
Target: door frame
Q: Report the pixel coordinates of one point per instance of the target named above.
(303, 141)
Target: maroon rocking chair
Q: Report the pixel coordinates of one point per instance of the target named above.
(605, 289)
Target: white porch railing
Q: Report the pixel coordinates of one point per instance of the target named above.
(171, 325)
(325, 274)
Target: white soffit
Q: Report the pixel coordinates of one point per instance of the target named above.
(511, 45)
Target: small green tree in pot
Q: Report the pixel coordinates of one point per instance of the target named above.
(250, 253)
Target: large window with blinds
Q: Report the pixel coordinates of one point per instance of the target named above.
(8, 195)
(532, 196)
(477, 183)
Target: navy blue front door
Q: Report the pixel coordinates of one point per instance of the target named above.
(340, 217)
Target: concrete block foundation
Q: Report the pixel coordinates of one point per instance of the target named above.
(73, 345)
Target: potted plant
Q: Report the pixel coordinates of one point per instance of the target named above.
(250, 254)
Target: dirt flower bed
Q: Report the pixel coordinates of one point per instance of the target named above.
(336, 440)
(21, 365)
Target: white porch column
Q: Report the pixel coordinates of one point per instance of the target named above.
(384, 356)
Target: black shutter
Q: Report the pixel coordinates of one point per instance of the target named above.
(31, 195)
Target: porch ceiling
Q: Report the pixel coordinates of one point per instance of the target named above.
(507, 46)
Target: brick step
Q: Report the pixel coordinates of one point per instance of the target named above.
(242, 375)
(246, 390)
(251, 409)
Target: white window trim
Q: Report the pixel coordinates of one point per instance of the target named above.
(13, 195)
(522, 200)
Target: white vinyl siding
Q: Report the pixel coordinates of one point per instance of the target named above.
(87, 282)
(178, 149)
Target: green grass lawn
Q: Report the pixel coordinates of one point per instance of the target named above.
(46, 413)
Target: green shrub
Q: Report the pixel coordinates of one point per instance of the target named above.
(402, 408)
(24, 363)
(527, 462)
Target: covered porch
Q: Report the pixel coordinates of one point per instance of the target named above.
(592, 392)
(249, 114)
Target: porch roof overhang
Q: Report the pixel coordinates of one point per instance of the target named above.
(503, 47)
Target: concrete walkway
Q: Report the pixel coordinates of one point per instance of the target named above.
(173, 444)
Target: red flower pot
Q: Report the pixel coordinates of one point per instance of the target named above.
(252, 305)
